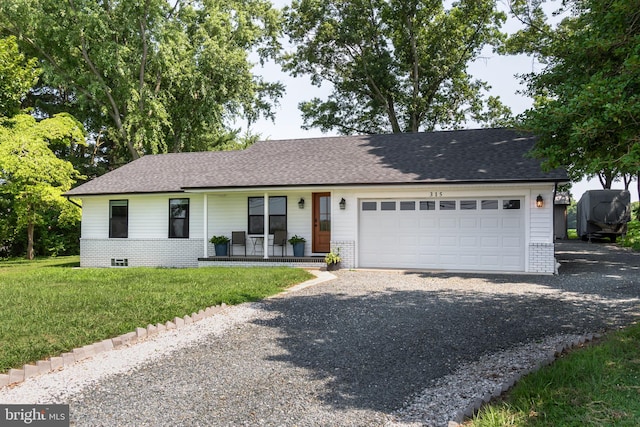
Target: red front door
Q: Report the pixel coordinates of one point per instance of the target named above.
(321, 241)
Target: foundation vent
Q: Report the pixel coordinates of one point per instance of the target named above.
(119, 262)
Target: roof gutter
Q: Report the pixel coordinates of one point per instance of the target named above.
(365, 185)
(72, 202)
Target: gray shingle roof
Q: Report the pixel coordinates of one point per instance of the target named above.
(466, 156)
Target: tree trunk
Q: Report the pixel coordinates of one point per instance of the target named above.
(606, 179)
(30, 252)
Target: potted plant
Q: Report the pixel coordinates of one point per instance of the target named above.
(333, 260)
(298, 245)
(221, 244)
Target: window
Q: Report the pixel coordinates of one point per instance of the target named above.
(277, 214)
(118, 219)
(369, 206)
(179, 218)
(447, 205)
(511, 204)
(407, 206)
(468, 205)
(427, 205)
(387, 206)
(489, 204)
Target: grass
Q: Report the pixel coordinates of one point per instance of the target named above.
(632, 238)
(47, 308)
(64, 261)
(598, 385)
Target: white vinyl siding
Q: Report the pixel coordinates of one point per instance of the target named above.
(148, 216)
(541, 220)
(95, 218)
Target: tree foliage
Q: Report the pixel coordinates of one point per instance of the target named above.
(394, 66)
(17, 76)
(148, 76)
(587, 98)
(32, 178)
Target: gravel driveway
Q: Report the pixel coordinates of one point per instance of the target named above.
(369, 348)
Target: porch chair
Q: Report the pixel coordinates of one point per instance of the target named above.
(279, 239)
(238, 238)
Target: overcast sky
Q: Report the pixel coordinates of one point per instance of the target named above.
(498, 71)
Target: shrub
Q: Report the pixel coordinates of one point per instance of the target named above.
(632, 238)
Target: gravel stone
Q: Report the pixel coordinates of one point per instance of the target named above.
(369, 348)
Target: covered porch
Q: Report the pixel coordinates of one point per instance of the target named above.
(303, 213)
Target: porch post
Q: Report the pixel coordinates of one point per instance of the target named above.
(205, 227)
(265, 237)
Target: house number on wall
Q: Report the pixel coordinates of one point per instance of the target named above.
(436, 194)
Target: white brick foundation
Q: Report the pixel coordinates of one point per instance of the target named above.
(141, 252)
(347, 252)
(542, 258)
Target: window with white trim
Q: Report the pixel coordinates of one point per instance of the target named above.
(118, 219)
(277, 214)
(178, 218)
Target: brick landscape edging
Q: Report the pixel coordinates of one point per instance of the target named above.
(509, 382)
(54, 363)
(51, 364)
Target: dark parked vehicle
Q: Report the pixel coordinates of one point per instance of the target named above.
(603, 213)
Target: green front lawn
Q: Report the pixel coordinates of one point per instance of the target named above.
(47, 307)
(598, 385)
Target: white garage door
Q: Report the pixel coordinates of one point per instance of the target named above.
(455, 234)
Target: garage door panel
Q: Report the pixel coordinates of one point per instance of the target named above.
(491, 262)
(451, 241)
(447, 222)
(408, 226)
(511, 242)
(428, 222)
(468, 239)
(511, 223)
(468, 260)
(490, 223)
(411, 244)
(510, 262)
(468, 222)
(448, 260)
(489, 242)
(428, 241)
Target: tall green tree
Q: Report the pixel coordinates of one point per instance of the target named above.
(31, 175)
(149, 76)
(17, 75)
(393, 66)
(587, 96)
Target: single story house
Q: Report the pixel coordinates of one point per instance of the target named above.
(468, 200)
